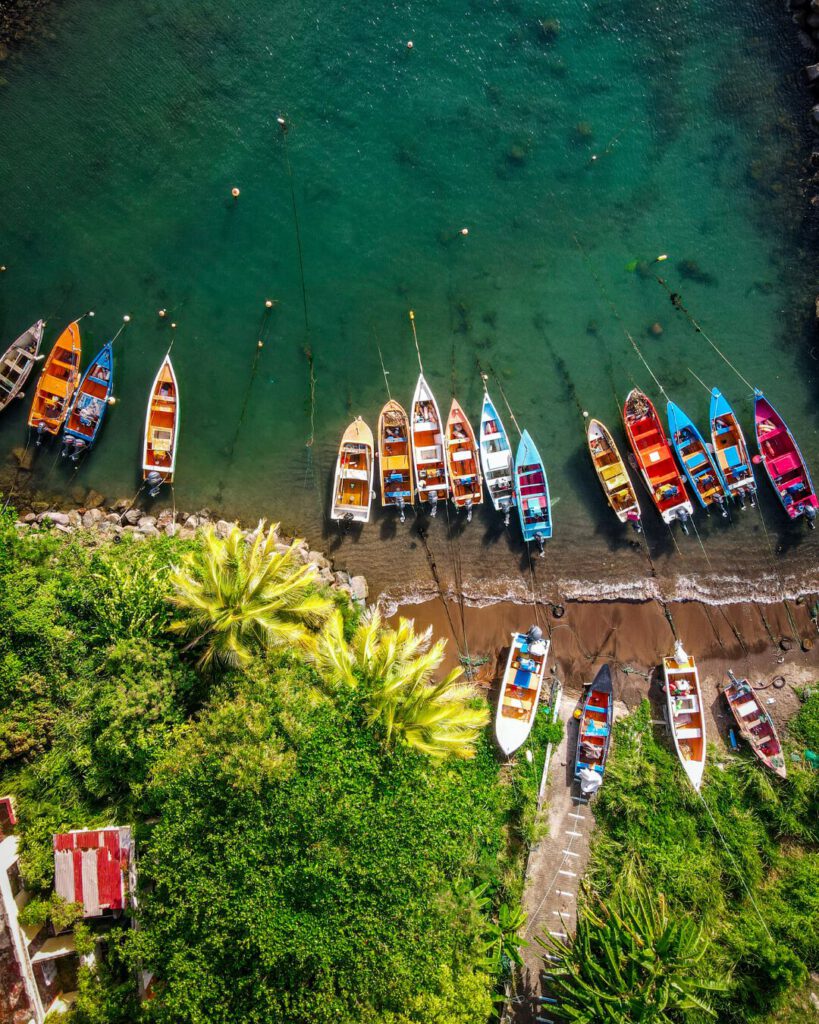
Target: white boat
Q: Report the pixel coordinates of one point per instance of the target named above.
(520, 690)
(353, 484)
(161, 429)
(431, 477)
(685, 714)
(497, 460)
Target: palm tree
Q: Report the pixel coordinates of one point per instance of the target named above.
(632, 961)
(239, 597)
(394, 669)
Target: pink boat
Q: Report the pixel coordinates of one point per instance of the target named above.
(783, 461)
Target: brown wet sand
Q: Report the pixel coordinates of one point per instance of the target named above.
(633, 637)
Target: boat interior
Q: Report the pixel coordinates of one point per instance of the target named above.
(353, 482)
(497, 460)
(593, 733)
(730, 450)
(520, 692)
(427, 441)
(534, 506)
(90, 405)
(687, 714)
(698, 462)
(612, 473)
(465, 478)
(161, 427)
(655, 455)
(753, 720)
(15, 364)
(395, 461)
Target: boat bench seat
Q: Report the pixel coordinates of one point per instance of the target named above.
(748, 708)
(689, 734)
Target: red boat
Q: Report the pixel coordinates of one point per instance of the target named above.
(655, 459)
(755, 724)
(783, 461)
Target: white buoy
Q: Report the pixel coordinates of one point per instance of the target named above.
(464, 231)
(126, 319)
(162, 312)
(409, 44)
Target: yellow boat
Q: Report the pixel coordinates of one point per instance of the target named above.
(612, 474)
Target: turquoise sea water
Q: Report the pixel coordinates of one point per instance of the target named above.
(570, 138)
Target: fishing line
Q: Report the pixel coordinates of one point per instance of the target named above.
(381, 360)
(261, 334)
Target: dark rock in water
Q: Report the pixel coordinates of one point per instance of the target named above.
(77, 495)
(583, 132)
(691, 271)
(592, 328)
(24, 457)
(549, 29)
(812, 72)
(643, 269)
(464, 325)
(656, 329)
(94, 499)
(490, 317)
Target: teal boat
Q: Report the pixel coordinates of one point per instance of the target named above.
(697, 462)
(731, 451)
(532, 493)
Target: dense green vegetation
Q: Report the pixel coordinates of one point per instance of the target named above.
(309, 849)
(738, 873)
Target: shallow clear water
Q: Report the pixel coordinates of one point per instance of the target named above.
(123, 135)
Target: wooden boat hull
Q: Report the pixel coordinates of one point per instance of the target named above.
(18, 361)
(730, 448)
(594, 731)
(90, 403)
(520, 692)
(431, 475)
(755, 724)
(685, 716)
(161, 428)
(353, 481)
(783, 461)
(701, 471)
(612, 473)
(395, 457)
(532, 491)
(57, 383)
(462, 460)
(655, 458)
(496, 458)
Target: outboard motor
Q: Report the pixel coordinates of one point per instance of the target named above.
(506, 508)
(468, 507)
(154, 481)
(636, 522)
(79, 448)
(541, 543)
(810, 516)
(40, 429)
(401, 506)
(535, 633)
(433, 504)
(683, 517)
(346, 522)
(752, 497)
(720, 502)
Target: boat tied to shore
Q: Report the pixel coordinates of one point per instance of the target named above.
(87, 411)
(701, 471)
(594, 733)
(613, 475)
(352, 484)
(463, 461)
(57, 384)
(686, 718)
(161, 429)
(395, 458)
(17, 362)
(532, 493)
(496, 459)
(431, 478)
(520, 689)
(655, 459)
(731, 450)
(755, 725)
(784, 462)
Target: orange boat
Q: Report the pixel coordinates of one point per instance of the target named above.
(161, 429)
(655, 459)
(462, 461)
(57, 384)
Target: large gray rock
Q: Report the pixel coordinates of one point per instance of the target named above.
(74, 520)
(132, 516)
(146, 521)
(191, 522)
(113, 517)
(58, 518)
(223, 528)
(358, 588)
(317, 558)
(147, 530)
(92, 517)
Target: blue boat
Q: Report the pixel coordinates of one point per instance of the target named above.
(698, 464)
(594, 733)
(730, 450)
(532, 492)
(90, 402)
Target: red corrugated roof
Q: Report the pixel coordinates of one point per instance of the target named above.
(91, 867)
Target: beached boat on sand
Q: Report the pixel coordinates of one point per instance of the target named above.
(755, 724)
(57, 384)
(496, 459)
(352, 486)
(731, 451)
(90, 402)
(431, 479)
(686, 718)
(394, 458)
(532, 493)
(613, 475)
(702, 472)
(655, 459)
(783, 461)
(520, 689)
(462, 461)
(161, 429)
(594, 733)
(18, 361)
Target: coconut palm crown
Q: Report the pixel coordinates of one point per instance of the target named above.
(394, 669)
(239, 597)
